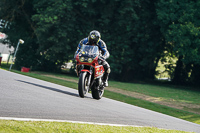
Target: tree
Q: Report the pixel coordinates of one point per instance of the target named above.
(55, 32)
(180, 27)
(57, 26)
(137, 33)
(18, 14)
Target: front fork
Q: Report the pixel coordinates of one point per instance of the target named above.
(89, 79)
(90, 76)
(89, 72)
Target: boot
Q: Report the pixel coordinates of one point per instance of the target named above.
(105, 79)
(106, 83)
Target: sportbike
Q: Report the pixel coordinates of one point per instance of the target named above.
(90, 71)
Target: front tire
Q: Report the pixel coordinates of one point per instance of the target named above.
(82, 88)
(97, 93)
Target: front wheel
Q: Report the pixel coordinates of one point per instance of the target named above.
(82, 88)
(97, 93)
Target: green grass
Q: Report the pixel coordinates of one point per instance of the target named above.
(64, 127)
(167, 92)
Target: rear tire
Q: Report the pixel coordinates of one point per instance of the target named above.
(82, 89)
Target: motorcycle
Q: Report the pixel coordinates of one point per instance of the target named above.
(90, 71)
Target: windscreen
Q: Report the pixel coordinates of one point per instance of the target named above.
(90, 50)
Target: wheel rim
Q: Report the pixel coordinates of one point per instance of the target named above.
(85, 88)
(101, 92)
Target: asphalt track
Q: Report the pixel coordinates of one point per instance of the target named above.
(26, 97)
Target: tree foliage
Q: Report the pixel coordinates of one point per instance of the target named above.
(137, 33)
(179, 23)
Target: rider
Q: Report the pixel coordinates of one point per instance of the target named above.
(94, 38)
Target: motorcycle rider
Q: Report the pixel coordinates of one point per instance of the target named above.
(94, 38)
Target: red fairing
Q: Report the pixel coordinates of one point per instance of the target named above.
(99, 70)
(93, 63)
(77, 58)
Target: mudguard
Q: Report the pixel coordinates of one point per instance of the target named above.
(85, 70)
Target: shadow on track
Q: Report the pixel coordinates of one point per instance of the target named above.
(50, 88)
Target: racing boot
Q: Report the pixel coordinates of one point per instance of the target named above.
(105, 79)
(106, 83)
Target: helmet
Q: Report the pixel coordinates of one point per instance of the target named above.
(94, 37)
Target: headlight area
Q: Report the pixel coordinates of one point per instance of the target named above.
(85, 59)
(90, 60)
(82, 59)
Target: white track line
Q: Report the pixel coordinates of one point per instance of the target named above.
(52, 120)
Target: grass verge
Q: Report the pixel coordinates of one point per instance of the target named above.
(9, 126)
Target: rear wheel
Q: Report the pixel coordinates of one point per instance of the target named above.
(82, 88)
